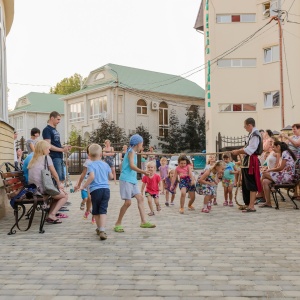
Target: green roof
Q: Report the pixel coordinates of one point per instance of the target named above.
(148, 81)
(41, 102)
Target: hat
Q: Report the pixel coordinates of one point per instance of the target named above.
(135, 139)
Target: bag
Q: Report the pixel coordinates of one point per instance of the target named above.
(27, 192)
(49, 187)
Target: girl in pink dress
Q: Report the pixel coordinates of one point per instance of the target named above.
(163, 171)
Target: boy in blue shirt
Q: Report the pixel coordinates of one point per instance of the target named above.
(98, 174)
(128, 183)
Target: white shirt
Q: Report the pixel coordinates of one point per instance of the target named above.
(253, 143)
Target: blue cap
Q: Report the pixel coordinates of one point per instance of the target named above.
(135, 139)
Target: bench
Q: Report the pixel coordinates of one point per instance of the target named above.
(290, 187)
(14, 182)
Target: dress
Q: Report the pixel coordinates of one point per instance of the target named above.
(164, 171)
(287, 174)
(205, 189)
(295, 149)
(228, 177)
(168, 184)
(110, 160)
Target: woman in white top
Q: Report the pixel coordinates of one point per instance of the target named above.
(35, 167)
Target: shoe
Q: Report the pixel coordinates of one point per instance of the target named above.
(82, 206)
(205, 210)
(191, 207)
(181, 211)
(166, 203)
(93, 221)
(86, 214)
(102, 235)
(147, 225)
(230, 203)
(151, 213)
(97, 231)
(209, 207)
(225, 203)
(158, 208)
(215, 202)
(68, 203)
(172, 203)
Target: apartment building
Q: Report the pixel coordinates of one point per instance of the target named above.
(246, 77)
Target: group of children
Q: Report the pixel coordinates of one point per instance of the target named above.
(96, 173)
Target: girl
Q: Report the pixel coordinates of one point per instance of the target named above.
(168, 183)
(187, 182)
(152, 182)
(109, 157)
(163, 171)
(210, 163)
(207, 181)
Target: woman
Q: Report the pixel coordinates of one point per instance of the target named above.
(268, 141)
(109, 157)
(35, 133)
(35, 166)
(19, 158)
(124, 151)
(284, 173)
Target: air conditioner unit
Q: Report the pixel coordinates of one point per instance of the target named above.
(154, 105)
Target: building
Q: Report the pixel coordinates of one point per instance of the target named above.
(246, 82)
(32, 110)
(130, 97)
(6, 136)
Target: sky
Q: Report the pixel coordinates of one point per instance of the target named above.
(53, 39)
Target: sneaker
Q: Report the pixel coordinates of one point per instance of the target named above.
(166, 203)
(86, 214)
(230, 203)
(215, 202)
(82, 206)
(191, 207)
(151, 213)
(172, 203)
(102, 235)
(205, 210)
(147, 225)
(181, 211)
(209, 207)
(93, 221)
(225, 203)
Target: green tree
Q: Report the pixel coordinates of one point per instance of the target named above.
(173, 142)
(108, 131)
(75, 138)
(144, 133)
(202, 132)
(68, 85)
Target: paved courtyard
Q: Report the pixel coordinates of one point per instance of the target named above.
(224, 254)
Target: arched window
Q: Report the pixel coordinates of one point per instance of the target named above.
(141, 107)
(163, 119)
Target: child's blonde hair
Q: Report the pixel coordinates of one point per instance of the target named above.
(163, 159)
(151, 163)
(219, 163)
(95, 150)
(39, 149)
(169, 173)
(209, 158)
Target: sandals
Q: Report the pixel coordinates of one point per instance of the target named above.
(61, 216)
(215, 202)
(118, 228)
(166, 203)
(225, 203)
(230, 203)
(248, 210)
(82, 206)
(86, 214)
(265, 205)
(147, 225)
(151, 213)
(158, 208)
(191, 207)
(50, 221)
(205, 210)
(181, 211)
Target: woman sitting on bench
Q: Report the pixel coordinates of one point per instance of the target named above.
(35, 166)
(284, 173)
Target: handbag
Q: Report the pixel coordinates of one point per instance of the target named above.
(49, 187)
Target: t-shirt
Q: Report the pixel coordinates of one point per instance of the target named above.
(127, 174)
(34, 173)
(86, 164)
(101, 172)
(228, 169)
(152, 184)
(28, 142)
(25, 165)
(50, 133)
(164, 171)
(183, 172)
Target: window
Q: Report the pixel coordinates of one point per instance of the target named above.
(141, 107)
(237, 63)
(18, 123)
(271, 54)
(271, 99)
(99, 76)
(240, 18)
(120, 104)
(98, 107)
(163, 119)
(76, 112)
(237, 107)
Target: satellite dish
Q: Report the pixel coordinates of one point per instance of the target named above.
(266, 13)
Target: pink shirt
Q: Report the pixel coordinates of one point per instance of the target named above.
(152, 184)
(183, 172)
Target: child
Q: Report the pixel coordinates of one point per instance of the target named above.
(228, 179)
(210, 163)
(152, 182)
(163, 170)
(186, 184)
(207, 181)
(128, 183)
(168, 183)
(98, 174)
(85, 195)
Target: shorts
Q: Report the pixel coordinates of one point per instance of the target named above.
(59, 167)
(185, 182)
(128, 190)
(110, 161)
(84, 194)
(227, 182)
(154, 196)
(100, 198)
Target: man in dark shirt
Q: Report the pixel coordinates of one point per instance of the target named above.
(52, 136)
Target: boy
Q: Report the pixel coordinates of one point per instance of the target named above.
(128, 183)
(98, 174)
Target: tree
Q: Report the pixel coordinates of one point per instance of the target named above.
(68, 85)
(75, 138)
(144, 133)
(173, 142)
(202, 133)
(108, 131)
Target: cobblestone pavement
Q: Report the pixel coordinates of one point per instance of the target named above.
(224, 254)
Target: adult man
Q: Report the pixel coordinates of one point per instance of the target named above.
(250, 167)
(51, 135)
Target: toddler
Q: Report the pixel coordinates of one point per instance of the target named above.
(163, 171)
(168, 183)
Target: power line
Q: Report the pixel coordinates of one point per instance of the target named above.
(291, 6)
(292, 22)
(291, 33)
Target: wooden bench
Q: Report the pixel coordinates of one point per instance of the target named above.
(290, 187)
(14, 182)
